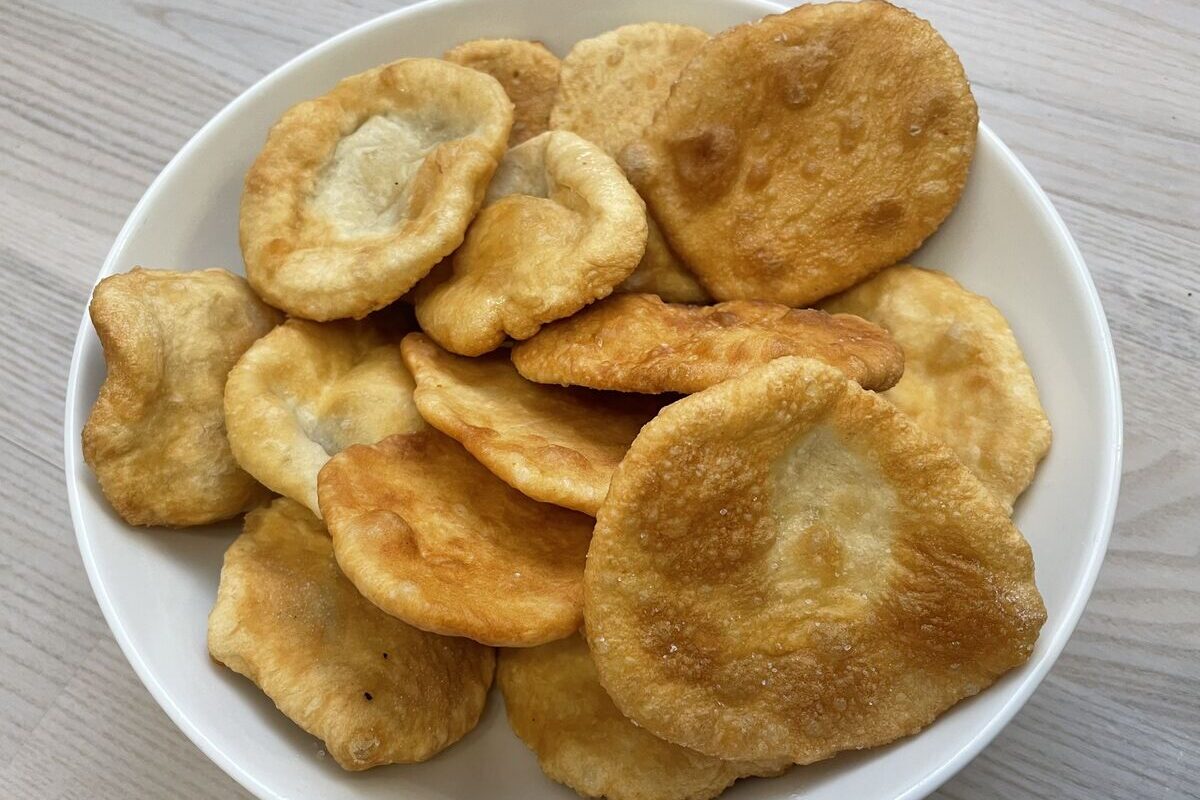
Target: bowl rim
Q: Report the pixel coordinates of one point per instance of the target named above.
(1031, 191)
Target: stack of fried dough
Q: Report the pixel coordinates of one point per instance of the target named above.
(602, 377)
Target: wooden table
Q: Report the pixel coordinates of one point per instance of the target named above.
(1100, 98)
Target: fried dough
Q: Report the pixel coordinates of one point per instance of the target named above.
(610, 87)
(554, 444)
(787, 566)
(357, 194)
(559, 229)
(308, 390)
(661, 272)
(155, 437)
(637, 343)
(430, 536)
(558, 708)
(376, 690)
(527, 71)
(800, 154)
(965, 380)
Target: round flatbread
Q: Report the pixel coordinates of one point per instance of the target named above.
(527, 71)
(637, 343)
(560, 228)
(358, 193)
(308, 390)
(787, 567)
(611, 85)
(559, 709)
(965, 379)
(375, 690)
(429, 535)
(800, 154)
(554, 444)
(155, 437)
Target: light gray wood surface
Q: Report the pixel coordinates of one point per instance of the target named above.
(1101, 100)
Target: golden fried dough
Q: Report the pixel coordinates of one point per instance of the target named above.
(800, 154)
(527, 71)
(610, 88)
(637, 343)
(612, 84)
(308, 390)
(965, 379)
(560, 228)
(156, 436)
(787, 566)
(357, 194)
(430, 536)
(376, 690)
(556, 705)
(661, 272)
(554, 444)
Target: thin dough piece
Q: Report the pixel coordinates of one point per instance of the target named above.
(554, 444)
(430, 536)
(802, 153)
(357, 194)
(661, 272)
(307, 391)
(156, 436)
(787, 567)
(966, 380)
(560, 228)
(527, 71)
(375, 690)
(557, 706)
(611, 85)
(637, 343)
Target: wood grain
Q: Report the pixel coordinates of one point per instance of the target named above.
(1098, 97)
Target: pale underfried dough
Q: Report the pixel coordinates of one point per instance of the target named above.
(554, 444)
(610, 87)
(376, 690)
(559, 229)
(965, 380)
(800, 154)
(358, 193)
(637, 343)
(787, 566)
(308, 390)
(558, 708)
(661, 272)
(527, 71)
(430, 536)
(156, 436)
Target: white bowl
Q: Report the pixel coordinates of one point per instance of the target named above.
(156, 587)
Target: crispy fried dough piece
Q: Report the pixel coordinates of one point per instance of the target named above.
(637, 343)
(611, 86)
(376, 690)
(661, 272)
(965, 380)
(800, 154)
(558, 708)
(156, 436)
(787, 566)
(560, 228)
(308, 390)
(554, 444)
(430, 536)
(527, 71)
(357, 194)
